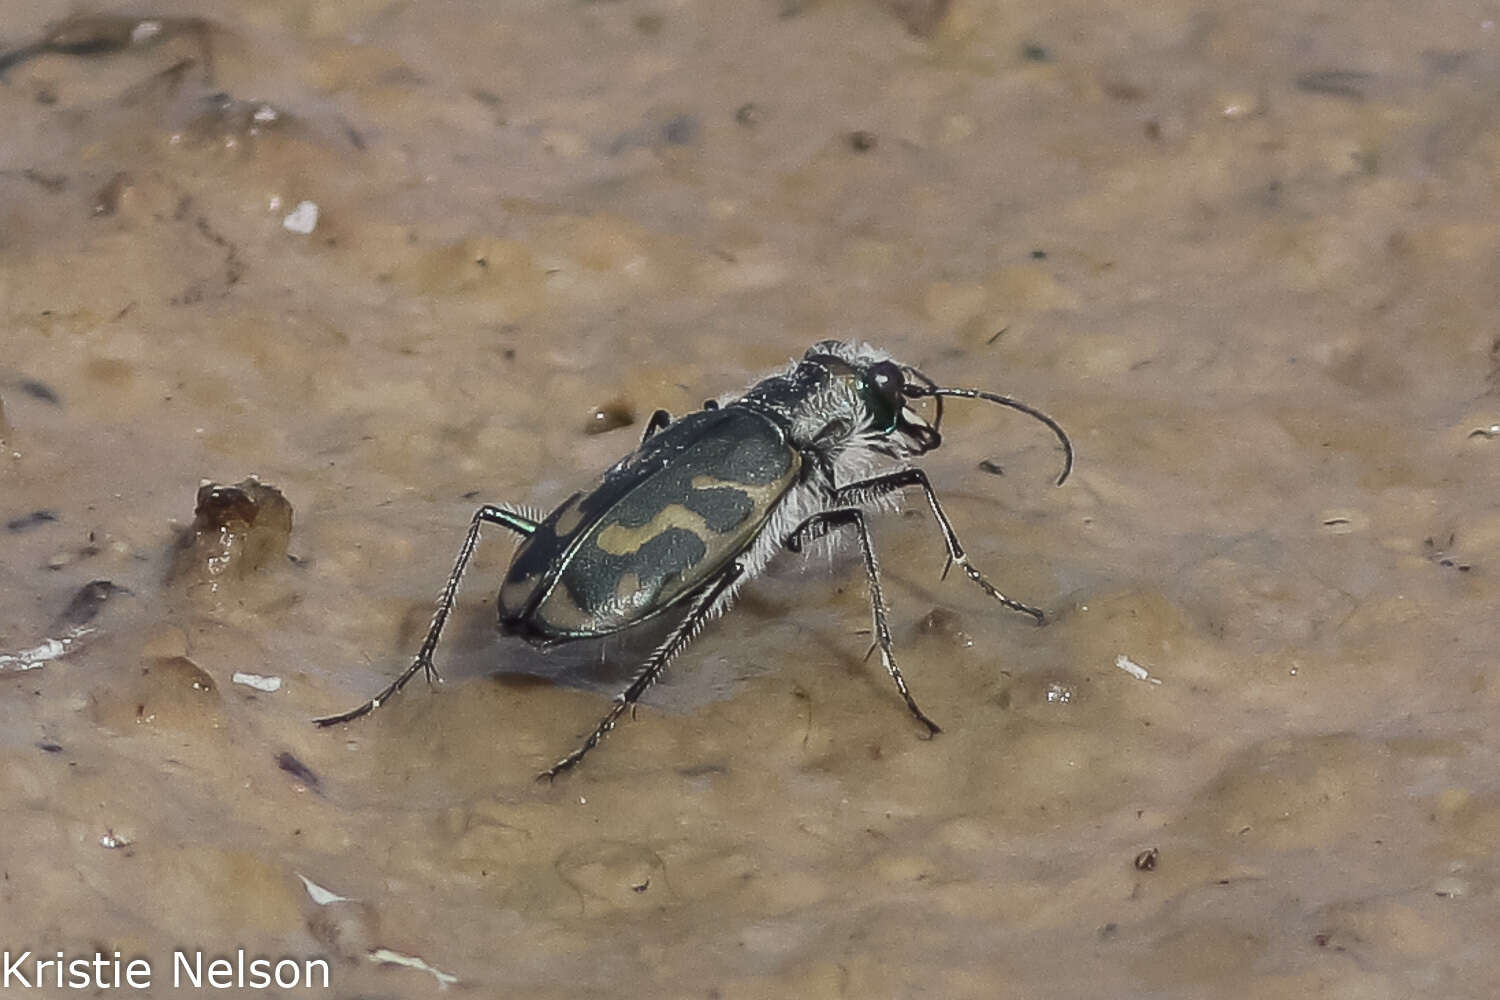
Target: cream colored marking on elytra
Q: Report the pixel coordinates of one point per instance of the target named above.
(561, 612)
(619, 540)
(706, 482)
(758, 493)
(513, 593)
(571, 517)
(761, 495)
(626, 588)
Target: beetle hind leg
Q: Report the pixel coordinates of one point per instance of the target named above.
(703, 608)
(488, 514)
(822, 523)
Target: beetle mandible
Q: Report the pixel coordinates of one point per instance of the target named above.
(705, 502)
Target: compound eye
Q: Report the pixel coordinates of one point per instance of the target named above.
(886, 379)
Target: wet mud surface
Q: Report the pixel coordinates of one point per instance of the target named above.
(398, 260)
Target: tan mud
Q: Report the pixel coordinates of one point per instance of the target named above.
(1245, 254)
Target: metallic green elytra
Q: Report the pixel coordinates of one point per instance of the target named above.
(705, 502)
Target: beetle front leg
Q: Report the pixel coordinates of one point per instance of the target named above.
(488, 514)
(861, 493)
(822, 523)
(700, 612)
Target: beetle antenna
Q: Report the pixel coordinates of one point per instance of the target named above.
(1014, 404)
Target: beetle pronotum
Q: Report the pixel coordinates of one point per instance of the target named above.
(682, 522)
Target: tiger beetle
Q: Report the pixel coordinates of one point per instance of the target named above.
(699, 509)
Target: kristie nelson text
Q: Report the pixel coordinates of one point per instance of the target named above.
(189, 970)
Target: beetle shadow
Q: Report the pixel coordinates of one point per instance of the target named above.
(473, 646)
(767, 623)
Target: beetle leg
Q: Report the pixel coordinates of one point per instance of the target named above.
(821, 524)
(861, 493)
(659, 420)
(701, 611)
(488, 514)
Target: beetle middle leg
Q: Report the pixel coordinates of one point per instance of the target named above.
(822, 523)
(488, 514)
(861, 493)
(702, 609)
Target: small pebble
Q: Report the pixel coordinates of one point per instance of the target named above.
(107, 201)
(237, 530)
(257, 681)
(27, 521)
(303, 219)
(86, 604)
(610, 416)
(1343, 521)
(1450, 887)
(1236, 106)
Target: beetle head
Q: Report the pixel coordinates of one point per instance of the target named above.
(882, 387)
(886, 389)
